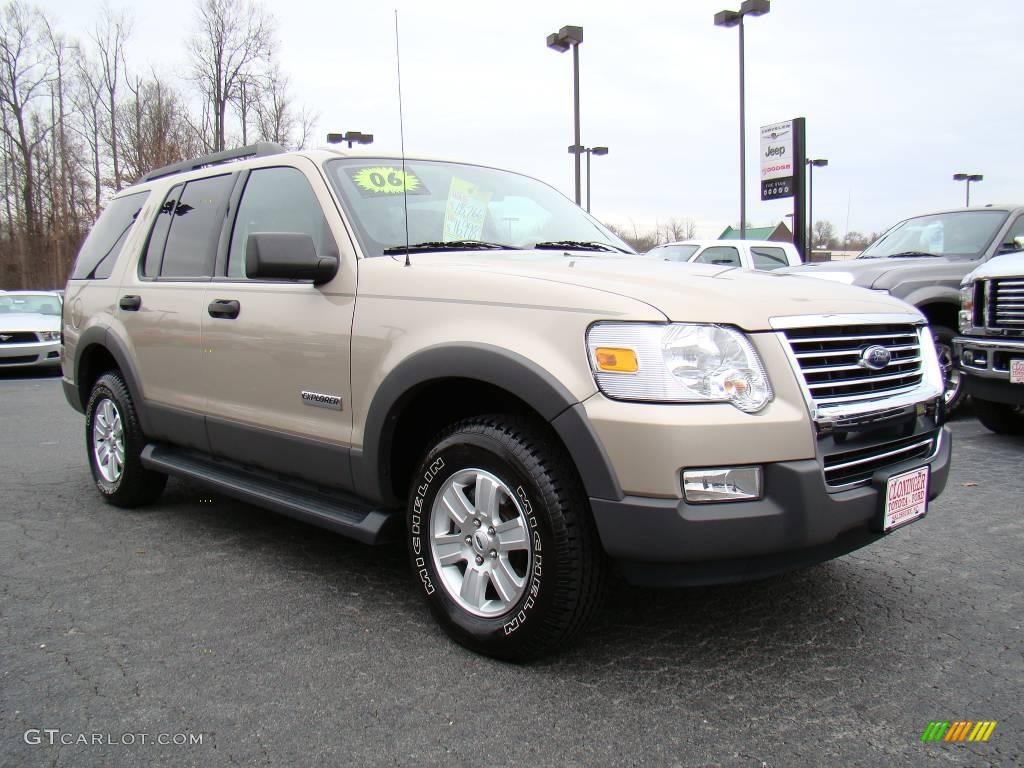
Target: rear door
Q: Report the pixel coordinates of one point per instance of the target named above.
(161, 306)
(288, 337)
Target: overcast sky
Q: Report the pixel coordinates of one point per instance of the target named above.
(898, 94)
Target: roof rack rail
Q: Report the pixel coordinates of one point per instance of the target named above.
(261, 149)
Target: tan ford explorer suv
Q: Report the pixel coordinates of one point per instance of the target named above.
(459, 356)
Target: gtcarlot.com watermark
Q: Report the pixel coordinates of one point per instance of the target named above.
(55, 736)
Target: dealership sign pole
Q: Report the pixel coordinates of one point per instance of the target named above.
(783, 172)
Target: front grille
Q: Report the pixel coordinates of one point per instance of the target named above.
(1005, 304)
(18, 359)
(18, 337)
(830, 359)
(857, 465)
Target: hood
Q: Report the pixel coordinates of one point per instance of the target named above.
(682, 291)
(29, 321)
(868, 272)
(1007, 265)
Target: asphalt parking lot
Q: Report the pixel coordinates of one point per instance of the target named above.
(283, 645)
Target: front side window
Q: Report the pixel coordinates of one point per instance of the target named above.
(99, 252)
(196, 225)
(768, 258)
(449, 202)
(276, 200)
(1014, 240)
(958, 234)
(722, 255)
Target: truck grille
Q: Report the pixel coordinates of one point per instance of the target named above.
(1006, 304)
(857, 465)
(831, 361)
(18, 337)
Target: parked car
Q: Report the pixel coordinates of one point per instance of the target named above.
(462, 357)
(29, 329)
(747, 254)
(922, 260)
(990, 348)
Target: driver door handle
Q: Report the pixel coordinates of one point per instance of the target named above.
(226, 309)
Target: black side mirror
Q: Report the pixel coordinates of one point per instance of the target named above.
(287, 256)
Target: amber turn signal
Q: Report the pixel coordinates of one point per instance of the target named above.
(616, 360)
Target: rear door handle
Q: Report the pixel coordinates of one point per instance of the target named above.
(130, 303)
(227, 309)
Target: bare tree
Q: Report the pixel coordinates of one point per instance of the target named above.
(109, 37)
(233, 40)
(824, 235)
(25, 70)
(154, 128)
(677, 229)
(88, 100)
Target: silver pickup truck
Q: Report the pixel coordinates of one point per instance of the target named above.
(990, 348)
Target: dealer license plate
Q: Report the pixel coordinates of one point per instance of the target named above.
(906, 498)
(1017, 371)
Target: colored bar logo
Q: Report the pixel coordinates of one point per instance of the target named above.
(958, 730)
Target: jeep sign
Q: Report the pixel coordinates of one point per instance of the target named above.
(777, 160)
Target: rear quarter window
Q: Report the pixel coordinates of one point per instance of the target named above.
(99, 252)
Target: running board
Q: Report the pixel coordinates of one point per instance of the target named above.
(332, 511)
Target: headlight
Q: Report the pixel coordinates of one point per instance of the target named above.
(966, 317)
(49, 335)
(677, 363)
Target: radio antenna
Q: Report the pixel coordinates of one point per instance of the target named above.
(401, 135)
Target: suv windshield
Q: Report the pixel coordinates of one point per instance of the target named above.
(962, 234)
(466, 206)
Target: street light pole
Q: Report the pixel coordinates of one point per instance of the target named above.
(577, 150)
(733, 19)
(818, 162)
(561, 41)
(968, 177)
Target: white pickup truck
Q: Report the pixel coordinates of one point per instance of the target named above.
(748, 254)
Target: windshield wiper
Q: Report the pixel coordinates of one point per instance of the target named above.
(913, 255)
(451, 245)
(581, 245)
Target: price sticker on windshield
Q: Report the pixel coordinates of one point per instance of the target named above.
(385, 181)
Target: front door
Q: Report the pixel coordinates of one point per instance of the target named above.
(279, 385)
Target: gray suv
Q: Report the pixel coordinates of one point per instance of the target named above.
(922, 261)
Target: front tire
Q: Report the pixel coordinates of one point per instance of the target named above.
(1001, 418)
(954, 393)
(501, 539)
(114, 442)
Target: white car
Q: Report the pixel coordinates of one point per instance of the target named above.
(29, 329)
(747, 254)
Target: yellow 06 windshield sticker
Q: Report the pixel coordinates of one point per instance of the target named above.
(385, 180)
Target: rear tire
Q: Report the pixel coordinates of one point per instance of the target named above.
(1001, 418)
(114, 443)
(501, 539)
(954, 393)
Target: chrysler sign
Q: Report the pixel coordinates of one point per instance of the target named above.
(777, 160)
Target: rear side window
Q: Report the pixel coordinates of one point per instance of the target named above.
(196, 225)
(99, 252)
(276, 200)
(158, 235)
(766, 257)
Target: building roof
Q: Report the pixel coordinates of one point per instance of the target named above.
(779, 232)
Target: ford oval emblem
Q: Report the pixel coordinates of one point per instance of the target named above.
(875, 358)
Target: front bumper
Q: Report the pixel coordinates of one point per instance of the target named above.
(43, 353)
(991, 380)
(798, 522)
